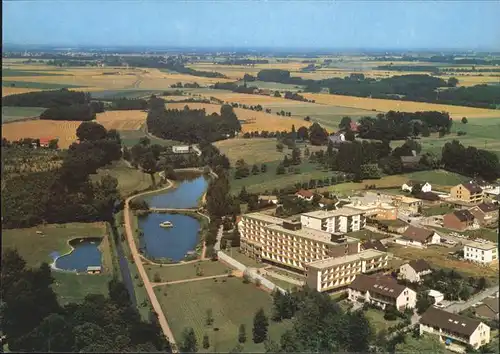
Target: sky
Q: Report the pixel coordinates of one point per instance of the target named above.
(307, 24)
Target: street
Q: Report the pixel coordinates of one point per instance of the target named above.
(460, 306)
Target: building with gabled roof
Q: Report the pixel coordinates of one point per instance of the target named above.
(485, 213)
(414, 270)
(460, 220)
(419, 237)
(468, 192)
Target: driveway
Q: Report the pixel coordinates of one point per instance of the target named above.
(458, 307)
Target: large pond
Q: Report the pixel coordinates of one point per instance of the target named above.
(85, 253)
(174, 242)
(186, 195)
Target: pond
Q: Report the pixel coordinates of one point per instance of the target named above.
(174, 242)
(85, 253)
(186, 195)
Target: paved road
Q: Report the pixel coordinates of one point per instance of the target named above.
(458, 307)
(142, 272)
(191, 280)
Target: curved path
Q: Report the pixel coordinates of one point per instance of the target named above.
(191, 280)
(142, 272)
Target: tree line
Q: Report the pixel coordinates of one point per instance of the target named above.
(67, 194)
(192, 125)
(34, 321)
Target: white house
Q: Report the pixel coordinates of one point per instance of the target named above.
(418, 237)
(181, 149)
(382, 291)
(268, 198)
(408, 186)
(454, 329)
(437, 296)
(483, 253)
(414, 270)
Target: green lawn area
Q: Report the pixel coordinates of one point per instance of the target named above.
(376, 318)
(367, 235)
(396, 222)
(186, 271)
(437, 210)
(38, 85)
(71, 287)
(129, 179)
(232, 303)
(243, 259)
(281, 283)
(11, 114)
(487, 234)
(438, 177)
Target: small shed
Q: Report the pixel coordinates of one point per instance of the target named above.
(94, 270)
(436, 295)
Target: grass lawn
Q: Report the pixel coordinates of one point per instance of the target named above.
(11, 114)
(367, 235)
(71, 287)
(186, 271)
(281, 283)
(38, 85)
(36, 249)
(438, 256)
(129, 179)
(438, 177)
(437, 210)
(232, 303)
(487, 234)
(243, 259)
(376, 318)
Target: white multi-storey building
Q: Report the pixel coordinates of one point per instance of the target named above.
(342, 220)
(481, 252)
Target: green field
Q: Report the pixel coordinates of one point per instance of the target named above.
(37, 85)
(376, 318)
(437, 210)
(113, 94)
(438, 177)
(18, 73)
(185, 271)
(11, 114)
(71, 287)
(131, 137)
(232, 303)
(129, 179)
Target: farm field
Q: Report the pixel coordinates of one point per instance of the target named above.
(6, 91)
(131, 137)
(438, 256)
(232, 303)
(41, 83)
(129, 93)
(456, 112)
(14, 72)
(11, 114)
(64, 130)
(122, 120)
(263, 121)
(129, 179)
(257, 150)
(186, 271)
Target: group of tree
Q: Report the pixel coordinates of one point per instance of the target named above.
(191, 125)
(185, 85)
(245, 61)
(34, 321)
(401, 125)
(470, 161)
(124, 103)
(319, 324)
(257, 108)
(234, 87)
(47, 99)
(242, 169)
(265, 134)
(67, 194)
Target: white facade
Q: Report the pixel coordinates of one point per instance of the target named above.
(484, 253)
(184, 149)
(478, 338)
(335, 221)
(436, 296)
(427, 187)
(434, 240)
(406, 271)
(407, 299)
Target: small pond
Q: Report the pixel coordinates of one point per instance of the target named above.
(85, 253)
(174, 242)
(186, 195)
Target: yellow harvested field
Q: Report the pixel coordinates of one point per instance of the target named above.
(257, 120)
(381, 105)
(248, 99)
(6, 91)
(122, 120)
(65, 131)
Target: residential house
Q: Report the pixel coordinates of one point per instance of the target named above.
(336, 273)
(480, 252)
(268, 199)
(453, 328)
(328, 203)
(373, 245)
(408, 186)
(468, 192)
(482, 183)
(45, 142)
(429, 198)
(353, 126)
(488, 308)
(305, 194)
(181, 149)
(460, 220)
(407, 204)
(485, 213)
(342, 220)
(414, 270)
(437, 296)
(419, 237)
(381, 290)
